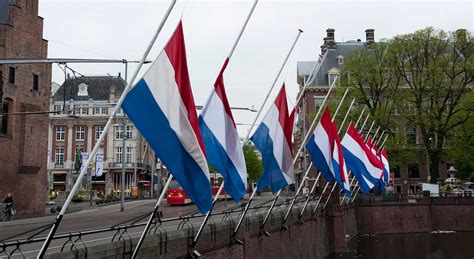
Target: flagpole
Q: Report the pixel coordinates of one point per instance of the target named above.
(102, 135)
(221, 187)
(309, 133)
(242, 215)
(319, 174)
(273, 85)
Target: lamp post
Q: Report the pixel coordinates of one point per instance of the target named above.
(122, 176)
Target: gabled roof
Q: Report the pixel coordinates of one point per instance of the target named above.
(99, 88)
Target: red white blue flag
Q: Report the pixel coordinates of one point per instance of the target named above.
(161, 105)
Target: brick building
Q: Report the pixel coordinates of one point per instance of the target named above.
(88, 102)
(23, 88)
(328, 68)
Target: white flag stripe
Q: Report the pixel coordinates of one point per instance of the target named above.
(159, 78)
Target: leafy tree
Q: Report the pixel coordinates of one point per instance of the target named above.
(424, 76)
(253, 162)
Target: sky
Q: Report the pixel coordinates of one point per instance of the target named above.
(123, 29)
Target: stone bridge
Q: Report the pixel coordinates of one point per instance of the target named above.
(319, 236)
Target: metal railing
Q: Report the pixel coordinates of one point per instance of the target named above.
(12, 247)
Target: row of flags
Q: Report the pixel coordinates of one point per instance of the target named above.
(161, 106)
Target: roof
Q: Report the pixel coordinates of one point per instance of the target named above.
(97, 88)
(328, 61)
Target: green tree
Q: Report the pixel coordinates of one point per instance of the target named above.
(424, 76)
(253, 162)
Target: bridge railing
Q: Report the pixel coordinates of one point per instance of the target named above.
(14, 246)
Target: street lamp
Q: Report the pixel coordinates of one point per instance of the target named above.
(122, 175)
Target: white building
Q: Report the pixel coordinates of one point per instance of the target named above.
(84, 105)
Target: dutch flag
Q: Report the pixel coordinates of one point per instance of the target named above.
(365, 166)
(221, 139)
(326, 152)
(273, 139)
(386, 166)
(161, 106)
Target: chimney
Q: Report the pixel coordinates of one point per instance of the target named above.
(369, 37)
(330, 39)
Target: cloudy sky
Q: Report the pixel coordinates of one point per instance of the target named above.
(123, 29)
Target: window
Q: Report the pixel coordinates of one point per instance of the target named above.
(57, 107)
(84, 111)
(100, 110)
(333, 77)
(413, 171)
(129, 132)
(118, 132)
(318, 101)
(118, 154)
(410, 132)
(59, 156)
(396, 172)
(340, 60)
(398, 189)
(11, 75)
(5, 118)
(98, 131)
(35, 82)
(128, 157)
(80, 133)
(60, 133)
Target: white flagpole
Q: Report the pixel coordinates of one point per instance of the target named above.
(273, 85)
(319, 174)
(102, 135)
(242, 215)
(221, 187)
(308, 134)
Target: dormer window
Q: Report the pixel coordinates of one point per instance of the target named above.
(340, 59)
(333, 75)
(82, 90)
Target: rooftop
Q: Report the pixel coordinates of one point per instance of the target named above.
(84, 88)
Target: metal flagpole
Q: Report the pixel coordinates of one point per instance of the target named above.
(327, 184)
(242, 215)
(273, 85)
(308, 134)
(221, 187)
(319, 174)
(102, 135)
(152, 216)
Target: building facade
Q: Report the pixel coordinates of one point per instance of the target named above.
(84, 105)
(24, 98)
(329, 67)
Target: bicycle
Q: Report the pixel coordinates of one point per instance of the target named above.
(8, 212)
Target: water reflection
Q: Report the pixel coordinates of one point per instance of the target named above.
(416, 246)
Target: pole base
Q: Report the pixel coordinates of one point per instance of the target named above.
(194, 254)
(264, 232)
(236, 241)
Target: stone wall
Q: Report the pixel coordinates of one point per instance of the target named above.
(309, 240)
(422, 215)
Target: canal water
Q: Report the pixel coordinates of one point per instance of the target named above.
(440, 245)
